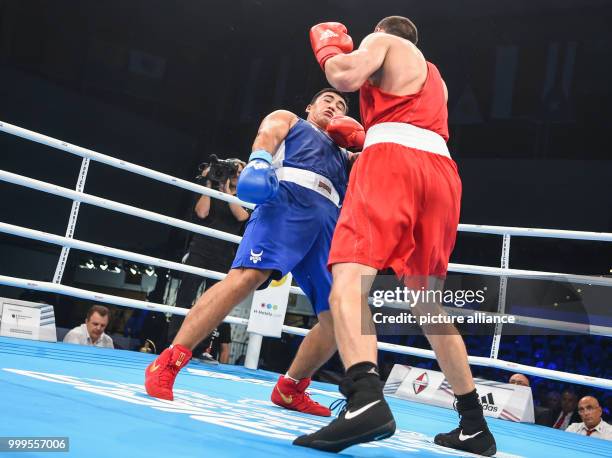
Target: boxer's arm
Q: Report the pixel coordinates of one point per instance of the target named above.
(273, 130)
(348, 72)
(258, 182)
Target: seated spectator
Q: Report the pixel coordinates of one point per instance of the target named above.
(542, 415)
(92, 331)
(568, 413)
(592, 424)
(553, 401)
(519, 379)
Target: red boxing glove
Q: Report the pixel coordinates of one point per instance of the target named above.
(346, 132)
(328, 39)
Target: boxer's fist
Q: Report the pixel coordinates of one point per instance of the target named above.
(258, 182)
(328, 39)
(346, 132)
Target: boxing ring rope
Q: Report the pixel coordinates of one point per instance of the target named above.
(117, 163)
(79, 196)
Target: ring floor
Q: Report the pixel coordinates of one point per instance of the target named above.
(95, 397)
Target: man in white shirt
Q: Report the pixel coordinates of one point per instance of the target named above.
(592, 425)
(92, 331)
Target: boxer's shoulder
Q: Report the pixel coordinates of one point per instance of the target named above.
(377, 37)
(283, 115)
(283, 119)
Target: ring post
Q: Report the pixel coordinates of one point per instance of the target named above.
(501, 303)
(251, 360)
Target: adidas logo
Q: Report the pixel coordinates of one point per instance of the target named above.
(488, 403)
(327, 34)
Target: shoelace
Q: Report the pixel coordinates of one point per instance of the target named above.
(338, 405)
(305, 398)
(166, 378)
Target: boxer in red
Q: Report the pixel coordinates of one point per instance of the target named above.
(401, 211)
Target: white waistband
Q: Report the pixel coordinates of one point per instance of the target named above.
(310, 180)
(406, 135)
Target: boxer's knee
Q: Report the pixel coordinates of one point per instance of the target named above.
(335, 298)
(326, 322)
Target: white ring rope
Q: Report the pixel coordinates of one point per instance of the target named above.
(133, 303)
(116, 206)
(529, 274)
(104, 298)
(118, 163)
(169, 179)
(114, 252)
(535, 232)
(111, 205)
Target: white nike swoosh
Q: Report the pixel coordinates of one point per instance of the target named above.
(349, 415)
(464, 438)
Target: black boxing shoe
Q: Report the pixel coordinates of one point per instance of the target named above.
(472, 435)
(365, 417)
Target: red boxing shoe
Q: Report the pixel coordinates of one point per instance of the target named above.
(160, 375)
(293, 396)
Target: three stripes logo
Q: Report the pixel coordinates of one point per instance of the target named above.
(488, 403)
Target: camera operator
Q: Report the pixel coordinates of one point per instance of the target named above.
(207, 252)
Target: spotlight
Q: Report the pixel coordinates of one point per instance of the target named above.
(133, 269)
(87, 264)
(150, 271)
(103, 265)
(114, 267)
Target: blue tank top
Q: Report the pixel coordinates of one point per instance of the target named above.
(309, 148)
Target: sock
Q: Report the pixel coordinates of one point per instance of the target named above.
(291, 378)
(361, 383)
(363, 369)
(470, 410)
(467, 401)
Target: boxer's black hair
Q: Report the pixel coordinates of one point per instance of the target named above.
(399, 26)
(335, 91)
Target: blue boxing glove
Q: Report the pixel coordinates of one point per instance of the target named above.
(258, 182)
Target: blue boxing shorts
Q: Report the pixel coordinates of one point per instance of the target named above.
(292, 233)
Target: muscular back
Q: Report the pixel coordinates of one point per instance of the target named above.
(404, 69)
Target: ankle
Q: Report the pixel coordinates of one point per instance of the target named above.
(294, 380)
(362, 380)
(180, 347)
(468, 402)
(362, 370)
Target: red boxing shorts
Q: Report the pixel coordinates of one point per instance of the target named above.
(401, 210)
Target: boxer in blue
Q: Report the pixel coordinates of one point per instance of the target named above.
(297, 174)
